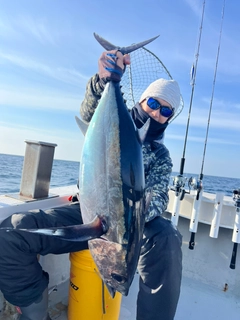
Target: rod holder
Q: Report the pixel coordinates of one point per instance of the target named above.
(176, 208)
(195, 217)
(236, 228)
(37, 169)
(217, 211)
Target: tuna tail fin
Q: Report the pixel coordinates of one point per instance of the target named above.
(124, 50)
(82, 125)
(142, 132)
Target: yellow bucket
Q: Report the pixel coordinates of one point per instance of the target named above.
(89, 298)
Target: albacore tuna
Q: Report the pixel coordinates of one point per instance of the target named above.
(111, 187)
(111, 184)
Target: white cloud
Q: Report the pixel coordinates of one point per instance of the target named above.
(221, 104)
(29, 98)
(201, 139)
(220, 117)
(7, 29)
(69, 145)
(38, 29)
(221, 121)
(70, 76)
(18, 27)
(196, 6)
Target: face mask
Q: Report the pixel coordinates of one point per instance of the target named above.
(156, 129)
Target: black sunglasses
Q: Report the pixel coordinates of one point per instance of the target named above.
(165, 111)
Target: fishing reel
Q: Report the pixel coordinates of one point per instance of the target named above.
(178, 185)
(236, 197)
(195, 184)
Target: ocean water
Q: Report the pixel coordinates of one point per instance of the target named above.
(65, 173)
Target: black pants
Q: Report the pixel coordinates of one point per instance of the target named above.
(22, 279)
(160, 269)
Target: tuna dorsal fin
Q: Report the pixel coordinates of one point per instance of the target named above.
(142, 132)
(82, 125)
(124, 50)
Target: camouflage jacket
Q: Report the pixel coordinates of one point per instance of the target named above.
(157, 161)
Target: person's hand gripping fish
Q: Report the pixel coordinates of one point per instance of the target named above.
(111, 66)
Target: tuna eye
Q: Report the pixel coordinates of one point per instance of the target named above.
(118, 278)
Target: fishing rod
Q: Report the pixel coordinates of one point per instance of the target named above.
(179, 181)
(197, 184)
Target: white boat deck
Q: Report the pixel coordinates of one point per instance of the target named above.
(197, 301)
(210, 289)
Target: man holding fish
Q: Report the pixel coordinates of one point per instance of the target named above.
(160, 260)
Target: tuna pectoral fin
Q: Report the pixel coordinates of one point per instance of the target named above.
(83, 232)
(82, 125)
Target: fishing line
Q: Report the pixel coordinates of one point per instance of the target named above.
(213, 89)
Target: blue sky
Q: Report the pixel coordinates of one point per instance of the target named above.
(48, 53)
